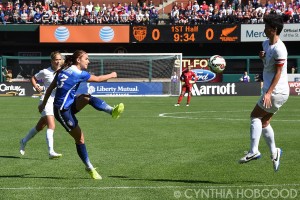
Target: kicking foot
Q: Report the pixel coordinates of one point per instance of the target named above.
(117, 110)
(250, 156)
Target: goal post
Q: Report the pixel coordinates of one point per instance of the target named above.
(146, 74)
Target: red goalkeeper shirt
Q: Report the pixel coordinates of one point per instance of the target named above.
(188, 76)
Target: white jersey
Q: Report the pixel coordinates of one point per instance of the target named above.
(275, 54)
(46, 76)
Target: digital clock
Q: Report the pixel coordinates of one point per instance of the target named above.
(185, 34)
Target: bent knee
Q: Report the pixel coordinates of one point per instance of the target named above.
(84, 97)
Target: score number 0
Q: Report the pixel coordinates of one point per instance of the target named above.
(209, 34)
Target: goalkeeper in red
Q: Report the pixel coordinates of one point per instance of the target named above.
(187, 78)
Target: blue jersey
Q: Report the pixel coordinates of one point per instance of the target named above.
(68, 81)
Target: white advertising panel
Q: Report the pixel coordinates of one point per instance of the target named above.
(255, 32)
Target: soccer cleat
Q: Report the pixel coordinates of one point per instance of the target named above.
(22, 147)
(250, 156)
(93, 173)
(117, 110)
(187, 104)
(177, 104)
(276, 159)
(54, 155)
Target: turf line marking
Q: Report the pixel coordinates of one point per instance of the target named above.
(175, 115)
(147, 187)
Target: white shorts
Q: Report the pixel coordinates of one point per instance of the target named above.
(48, 110)
(277, 101)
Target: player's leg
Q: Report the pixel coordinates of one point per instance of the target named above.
(31, 133)
(183, 90)
(49, 114)
(50, 138)
(269, 136)
(255, 134)
(99, 104)
(78, 136)
(189, 96)
(277, 101)
(74, 130)
(268, 133)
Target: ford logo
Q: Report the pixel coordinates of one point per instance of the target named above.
(204, 75)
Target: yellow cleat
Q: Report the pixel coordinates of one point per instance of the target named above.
(93, 173)
(118, 109)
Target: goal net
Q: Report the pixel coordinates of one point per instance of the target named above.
(138, 74)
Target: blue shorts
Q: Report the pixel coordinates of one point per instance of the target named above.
(67, 117)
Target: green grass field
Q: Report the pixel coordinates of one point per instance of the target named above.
(154, 151)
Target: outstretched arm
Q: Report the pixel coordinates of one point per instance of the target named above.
(102, 78)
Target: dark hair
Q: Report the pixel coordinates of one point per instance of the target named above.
(275, 21)
(71, 59)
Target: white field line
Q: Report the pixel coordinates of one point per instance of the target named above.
(150, 187)
(185, 115)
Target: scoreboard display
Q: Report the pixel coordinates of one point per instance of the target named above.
(185, 34)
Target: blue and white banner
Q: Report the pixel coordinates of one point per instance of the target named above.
(121, 88)
(255, 32)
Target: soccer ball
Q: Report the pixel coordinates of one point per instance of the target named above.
(217, 63)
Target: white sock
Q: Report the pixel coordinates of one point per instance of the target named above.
(255, 133)
(268, 134)
(49, 139)
(30, 135)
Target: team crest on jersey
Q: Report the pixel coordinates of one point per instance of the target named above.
(139, 33)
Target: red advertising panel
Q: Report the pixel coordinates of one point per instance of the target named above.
(186, 34)
(84, 34)
(294, 88)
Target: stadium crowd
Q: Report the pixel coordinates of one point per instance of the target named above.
(190, 13)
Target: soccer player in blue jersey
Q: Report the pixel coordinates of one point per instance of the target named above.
(67, 104)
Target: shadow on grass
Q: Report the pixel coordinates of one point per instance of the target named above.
(18, 157)
(186, 181)
(29, 176)
(165, 180)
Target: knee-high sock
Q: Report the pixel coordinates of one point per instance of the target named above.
(49, 139)
(100, 105)
(30, 135)
(255, 133)
(83, 154)
(268, 134)
(189, 99)
(179, 99)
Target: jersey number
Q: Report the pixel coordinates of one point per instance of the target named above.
(62, 81)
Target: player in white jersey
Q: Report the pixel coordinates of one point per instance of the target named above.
(275, 91)
(47, 115)
(67, 103)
